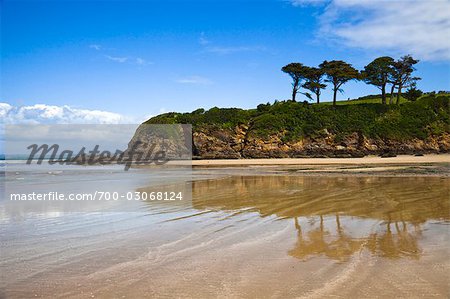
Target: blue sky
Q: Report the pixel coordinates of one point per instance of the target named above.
(125, 61)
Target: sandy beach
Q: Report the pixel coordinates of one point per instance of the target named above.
(403, 159)
(245, 232)
(404, 165)
(294, 228)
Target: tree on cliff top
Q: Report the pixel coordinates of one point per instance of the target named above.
(314, 83)
(338, 73)
(378, 73)
(412, 93)
(297, 72)
(401, 76)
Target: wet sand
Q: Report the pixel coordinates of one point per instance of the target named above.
(245, 233)
(430, 165)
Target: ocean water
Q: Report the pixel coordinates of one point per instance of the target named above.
(239, 233)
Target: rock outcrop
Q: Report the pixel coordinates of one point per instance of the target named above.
(240, 143)
(172, 142)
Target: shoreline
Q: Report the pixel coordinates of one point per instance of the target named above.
(404, 165)
(401, 159)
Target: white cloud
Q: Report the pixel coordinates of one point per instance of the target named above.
(4, 109)
(50, 114)
(117, 59)
(308, 2)
(417, 27)
(95, 47)
(141, 61)
(209, 46)
(194, 80)
(121, 59)
(230, 50)
(203, 40)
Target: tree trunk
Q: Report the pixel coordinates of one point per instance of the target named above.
(383, 94)
(391, 100)
(398, 94)
(334, 97)
(294, 89)
(318, 97)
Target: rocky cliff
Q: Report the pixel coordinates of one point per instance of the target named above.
(160, 142)
(290, 129)
(240, 143)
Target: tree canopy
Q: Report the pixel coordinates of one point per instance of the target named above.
(381, 72)
(338, 72)
(378, 73)
(401, 75)
(314, 83)
(412, 93)
(297, 71)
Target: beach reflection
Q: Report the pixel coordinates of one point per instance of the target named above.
(340, 245)
(336, 217)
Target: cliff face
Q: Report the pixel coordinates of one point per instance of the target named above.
(172, 142)
(240, 143)
(290, 129)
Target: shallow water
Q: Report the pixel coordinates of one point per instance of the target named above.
(241, 235)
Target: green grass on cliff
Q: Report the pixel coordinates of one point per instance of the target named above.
(428, 116)
(373, 99)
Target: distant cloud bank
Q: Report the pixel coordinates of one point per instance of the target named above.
(417, 27)
(50, 114)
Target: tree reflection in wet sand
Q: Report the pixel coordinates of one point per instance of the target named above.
(396, 207)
